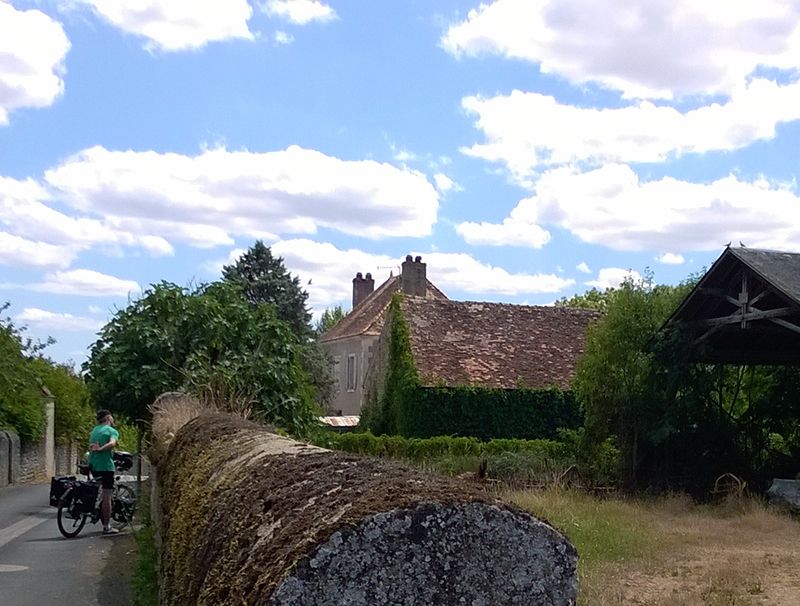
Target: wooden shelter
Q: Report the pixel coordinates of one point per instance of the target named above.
(745, 309)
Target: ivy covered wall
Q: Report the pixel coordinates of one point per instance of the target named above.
(400, 405)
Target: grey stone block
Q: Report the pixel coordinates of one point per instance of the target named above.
(469, 553)
(785, 493)
(15, 460)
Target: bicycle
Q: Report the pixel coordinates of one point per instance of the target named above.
(79, 503)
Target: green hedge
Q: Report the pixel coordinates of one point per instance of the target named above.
(510, 460)
(487, 413)
(419, 449)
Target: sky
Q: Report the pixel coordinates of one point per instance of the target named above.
(528, 150)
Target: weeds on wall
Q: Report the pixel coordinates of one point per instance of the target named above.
(145, 576)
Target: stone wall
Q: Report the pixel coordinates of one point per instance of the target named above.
(67, 455)
(33, 463)
(5, 459)
(248, 517)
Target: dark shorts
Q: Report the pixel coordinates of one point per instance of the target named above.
(106, 478)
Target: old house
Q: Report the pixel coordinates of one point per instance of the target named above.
(482, 369)
(350, 341)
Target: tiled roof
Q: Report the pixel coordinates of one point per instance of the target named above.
(367, 318)
(495, 344)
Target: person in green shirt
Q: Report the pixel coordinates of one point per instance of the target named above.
(102, 441)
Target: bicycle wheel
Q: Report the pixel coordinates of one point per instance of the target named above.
(70, 518)
(123, 505)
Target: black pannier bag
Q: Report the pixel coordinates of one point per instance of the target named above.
(58, 486)
(88, 491)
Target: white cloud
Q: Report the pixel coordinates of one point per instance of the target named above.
(176, 25)
(214, 267)
(463, 272)
(511, 232)
(207, 199)
(15, 250)
(283, 38)
(331, 271)
(612, 277)
(527, 130)
(445, 184)
(299, 12)
(24, 211)
(654, 49)
(583, 268)
(57, 321)
(671, 259)
(87, 283)
(610, 206)
(32, 51)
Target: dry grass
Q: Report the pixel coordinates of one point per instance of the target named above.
(670, 551)
(171, 411)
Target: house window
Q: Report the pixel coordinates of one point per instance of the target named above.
(352, 372)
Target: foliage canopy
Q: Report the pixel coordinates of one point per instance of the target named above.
(208, 341)
(264, 279)
(21, 405)
(679, 423)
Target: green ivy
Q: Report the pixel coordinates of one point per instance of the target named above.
(488, 413)
(410, 409)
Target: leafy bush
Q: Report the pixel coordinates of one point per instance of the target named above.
(21, 403)
(73, 413)
(209, 342)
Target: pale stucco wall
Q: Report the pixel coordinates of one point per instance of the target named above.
(347, 401)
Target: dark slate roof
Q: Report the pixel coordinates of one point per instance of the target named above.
(780, 269)
(773, 279)
(495, 344)
(368, 316)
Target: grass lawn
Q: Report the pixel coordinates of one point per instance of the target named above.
(670, 551)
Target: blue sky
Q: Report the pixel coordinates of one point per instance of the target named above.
(527, 149)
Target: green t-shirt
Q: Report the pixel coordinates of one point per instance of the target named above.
(102, 461)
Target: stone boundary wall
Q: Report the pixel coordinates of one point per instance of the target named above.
(67, 455)
(38, 461)
(244, 516)
(5, 458)
(33, 463)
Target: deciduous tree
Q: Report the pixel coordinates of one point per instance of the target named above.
(208, 340)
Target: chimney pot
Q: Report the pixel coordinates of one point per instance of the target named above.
(362, 288)
(413, 277)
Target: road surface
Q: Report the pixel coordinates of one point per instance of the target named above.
(38, 566)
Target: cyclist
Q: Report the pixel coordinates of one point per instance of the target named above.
(102, 441)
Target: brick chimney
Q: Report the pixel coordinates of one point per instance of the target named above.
(414, 278)
(362, 288)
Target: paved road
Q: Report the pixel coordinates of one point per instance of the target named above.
(39, 567)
